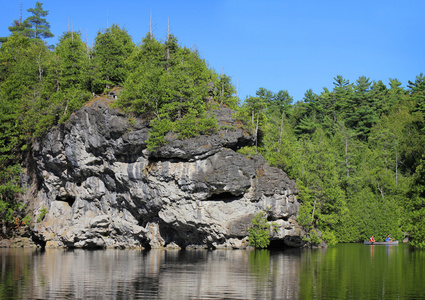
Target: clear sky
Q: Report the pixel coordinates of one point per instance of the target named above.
(276, 44)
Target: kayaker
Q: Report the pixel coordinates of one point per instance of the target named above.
(389, 239)
(372, 239)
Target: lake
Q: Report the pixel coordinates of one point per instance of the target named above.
(346, 271)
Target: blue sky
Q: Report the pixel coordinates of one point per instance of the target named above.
(279, 45)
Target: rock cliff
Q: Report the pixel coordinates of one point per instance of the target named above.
(102, 188)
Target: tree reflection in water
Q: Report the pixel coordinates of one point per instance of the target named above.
(346, 271)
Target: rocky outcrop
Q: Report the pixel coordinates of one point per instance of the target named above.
(102, 188)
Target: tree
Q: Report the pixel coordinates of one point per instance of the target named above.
(255, 107)
(417, 93)
(21, 27)
(305, 113)
(36, 26)
(169, 86)
(112, 48)
(323, 200)
(340, 99)
(73, 58)
(9, 189)
(22, 69)
(415, 206)
(362, 115)
(226, 91)
(259, 231)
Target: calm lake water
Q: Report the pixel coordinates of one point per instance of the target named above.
(346, 271)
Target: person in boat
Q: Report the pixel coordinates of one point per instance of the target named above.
(388, 238)
(372, 239)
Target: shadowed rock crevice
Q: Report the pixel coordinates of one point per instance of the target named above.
(67, 198)
(225, 197)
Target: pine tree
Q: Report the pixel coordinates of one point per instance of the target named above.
(112, 48)
(40, 28)
(72, 55)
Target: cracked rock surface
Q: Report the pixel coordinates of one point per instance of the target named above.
(102, 188)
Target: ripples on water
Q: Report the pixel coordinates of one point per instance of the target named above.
(342, 272)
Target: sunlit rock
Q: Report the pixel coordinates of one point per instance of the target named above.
(103, 189)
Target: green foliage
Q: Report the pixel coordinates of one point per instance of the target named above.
(112, 48)
(35, 26)
(415, 207)
(43, 213)
(169, 85)
(249, 151)
(9, 190)
(355, 154)
(259, 231)
(160, 127)
(329, 238)
(40, 28)
(72, 54)
(355, 150)
(194, 124)
(314, 237)
(225, 91)
(26, 220)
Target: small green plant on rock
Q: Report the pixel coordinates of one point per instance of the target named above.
(43, 213)
(313, 237)
(26, 220)
(259, 231)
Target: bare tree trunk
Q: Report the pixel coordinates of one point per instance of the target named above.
(281, 132)
(20, 18)
(150, 26)
(3, 227)
(381, 190)
(87, 44)
(168, 48)
(314, 208)
(385, 151)
(40, 69)
(256, 134)
(347, 160)
(396, 166)
(237, 89)
(222, 85)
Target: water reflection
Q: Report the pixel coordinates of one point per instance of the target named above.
(156, 274)
(341, 272)
(356, 271)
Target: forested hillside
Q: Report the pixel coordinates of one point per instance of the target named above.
(356, 151)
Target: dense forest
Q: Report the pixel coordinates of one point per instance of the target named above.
(356, 151)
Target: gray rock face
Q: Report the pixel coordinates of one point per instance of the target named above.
(102, 188)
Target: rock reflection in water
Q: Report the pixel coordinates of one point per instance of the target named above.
(155, 274)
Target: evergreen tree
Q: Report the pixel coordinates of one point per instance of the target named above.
(323, 200)
(112, 48)
(417, 93)
(72, 54)
(36, 26)
(226, 91)
(20, 27)
(415, 207)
